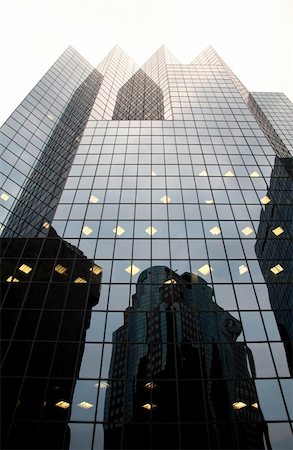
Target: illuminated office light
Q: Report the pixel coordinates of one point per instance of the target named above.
(229, 174)
(46, 225)
(132, 269)
(93, 199)
(4, 196)
(85, 405)
(149, 406)
(247, 231)
(171, 281)
(11, 279)
(215, 231)
(203, 173)
(254, 405)
(242, 269)
(60, 269)
(62, 404)
(50, 116)
(25, 268)
(80, 280)
(277, 269)
(118, 230)
(154, 173)
(87, 230)
(239, 405)
(209, 202)
(151, 231)
(102, 384)
(254, 174)
(96, 269)
(165, 199)
(265, 200)
(277, 231)
(205, 270)
(150, 385)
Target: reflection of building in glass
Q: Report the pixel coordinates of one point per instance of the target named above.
(49, 288)
(181, 380)
(274, 250)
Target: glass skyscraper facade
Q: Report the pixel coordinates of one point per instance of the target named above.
(146, 259)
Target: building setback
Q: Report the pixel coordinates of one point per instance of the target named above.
(146, 259)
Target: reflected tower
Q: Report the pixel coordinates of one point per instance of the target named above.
(181, 380)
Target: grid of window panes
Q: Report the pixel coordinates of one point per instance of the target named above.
(192, 196)
(279, 111)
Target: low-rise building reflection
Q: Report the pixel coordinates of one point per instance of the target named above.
(49, 288)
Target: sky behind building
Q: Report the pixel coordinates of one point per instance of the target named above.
(254, 37)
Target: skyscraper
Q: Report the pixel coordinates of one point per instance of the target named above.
(117, 179)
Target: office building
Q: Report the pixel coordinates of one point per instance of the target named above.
(146, 258)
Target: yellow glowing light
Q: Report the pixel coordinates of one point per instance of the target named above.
(132, 269)
(277, 269)
(215, 231)
(247, 231)
(118, 230)
(151, 231)
(229, 174)
(265, 200)
(209, 202)
(46, 225)
(11, 279)
(60, 269)
(254, 174)
(154, 174)
(25, 268)
(242, 269)
(254, 405)
(4, 196)
(171, 281)
(205, 270)
(85, 405)
(149, 406)
(96, 269)
(203, 173)
(80, 280)
(87, 230)
(239, 405)
(93, 199)
(277, 231)
(150, 385)
(62, 404)
(165, 199)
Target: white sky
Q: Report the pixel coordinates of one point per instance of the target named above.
(254, 37)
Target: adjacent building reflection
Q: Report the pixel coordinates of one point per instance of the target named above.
(178, 378)
(49, 288)
(274, 250)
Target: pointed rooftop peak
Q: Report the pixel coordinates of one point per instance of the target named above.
(164, 52)
(116, 51)
(208, 56)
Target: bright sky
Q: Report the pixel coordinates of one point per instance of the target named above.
(254, 37)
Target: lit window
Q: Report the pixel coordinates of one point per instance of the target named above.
(215, 231)
(4, 196)
(46, 225)
(205, 270)
(25, 268)
(80, 280)
(12, 279)
(50, 116)
(247, 231)
(85, 405)
(87, 230)
(62, 404)
(150, 385)
(239, 405)
(229, 174)
(242, 269)
(277, 269)
(118, 230)
(60, 269)
(93, 199)
(151, 230)
(171, 281)
(132, 269)
(277, 231)
(149, 406)
(165, 199)
(203, 173)
(254, 405)
(96, 269)
(209, 202)
(154, 174)
(102, 384)
(265, 200)
(254, 174)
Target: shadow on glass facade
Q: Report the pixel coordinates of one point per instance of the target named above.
(174, 183)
